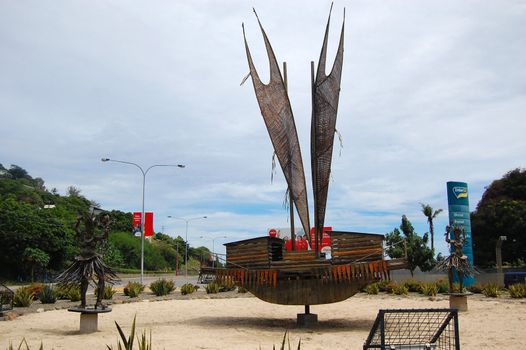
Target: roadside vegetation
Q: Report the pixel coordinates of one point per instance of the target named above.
(37, 231)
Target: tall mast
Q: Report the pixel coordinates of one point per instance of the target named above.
(291, 197)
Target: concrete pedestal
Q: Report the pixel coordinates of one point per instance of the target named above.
(307, 320)
(89, 318)
(458, 301)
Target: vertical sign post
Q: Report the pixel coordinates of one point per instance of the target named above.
(458, 206)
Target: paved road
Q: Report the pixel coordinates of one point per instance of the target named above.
(179, 280)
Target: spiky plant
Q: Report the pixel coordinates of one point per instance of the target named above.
(24, 343)
(162, 287)
(517, 291)
(126, 343)
(47, 295)
(23, 297)
(108, 292)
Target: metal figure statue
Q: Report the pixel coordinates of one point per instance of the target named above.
(89, 265)
(457, 261)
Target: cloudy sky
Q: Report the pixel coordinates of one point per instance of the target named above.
(432, 91)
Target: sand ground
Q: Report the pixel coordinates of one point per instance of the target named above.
(248, 323)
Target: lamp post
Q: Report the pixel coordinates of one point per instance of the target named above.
(213, 247)
(186, 240)
(144, 173)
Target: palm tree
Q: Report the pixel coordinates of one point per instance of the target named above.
(430, 214)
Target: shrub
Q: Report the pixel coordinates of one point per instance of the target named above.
(74, 293)
(62, 292)
(242, 290)
(382, 285)
(108, 292)
(48, 295)
(35, 289)
(390, 287)
(400, 290)
(517, 291)
(211, 288)
(372, 289)
(456, 288)
(443, 286)
(429, 289)
(413, 286)
(491, 291)
(476, 288)
(23, 297)
(188, 288)
(226, 286)
(162, 287)
(133, 289)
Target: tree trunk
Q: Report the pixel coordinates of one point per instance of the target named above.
(432, 232)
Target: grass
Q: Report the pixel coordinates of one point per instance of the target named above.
(401, 290)
(491, 291)
(429, 289)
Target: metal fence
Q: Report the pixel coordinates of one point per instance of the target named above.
(414, 329)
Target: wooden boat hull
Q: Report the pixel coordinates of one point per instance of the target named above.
(307, 291)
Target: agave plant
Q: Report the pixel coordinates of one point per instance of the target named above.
(143, 342)
(287, 339)
(24, 343)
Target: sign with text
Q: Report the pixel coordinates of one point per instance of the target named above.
(458, 207)
(148, 223)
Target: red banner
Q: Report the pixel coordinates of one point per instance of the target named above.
(137, 219)
(148, 223)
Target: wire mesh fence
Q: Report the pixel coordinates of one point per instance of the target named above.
(414, 329)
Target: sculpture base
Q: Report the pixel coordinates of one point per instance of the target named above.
(307, 320)
(458, 301)
(89, 318)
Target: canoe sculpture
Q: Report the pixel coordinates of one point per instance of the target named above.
(263, 265)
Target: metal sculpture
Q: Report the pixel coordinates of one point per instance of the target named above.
(457, 261)
(89, 266)
(263, 265)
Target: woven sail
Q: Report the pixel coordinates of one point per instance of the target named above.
(326, 93)
(275, 107)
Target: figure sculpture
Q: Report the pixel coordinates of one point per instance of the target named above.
(457, 261)
(89, 266)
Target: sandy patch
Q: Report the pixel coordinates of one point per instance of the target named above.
(248, 323)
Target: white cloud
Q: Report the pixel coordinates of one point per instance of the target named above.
(431, 92)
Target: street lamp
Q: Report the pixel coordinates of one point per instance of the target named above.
(144, 172)
(186, 241)
(213, 247)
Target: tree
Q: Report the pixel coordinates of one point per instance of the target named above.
(17, 172)
(418, 253)
(427, 210)
(24, 226)
(73, 191)
(35, 258)
(501, 212)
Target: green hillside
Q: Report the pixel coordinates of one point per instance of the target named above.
(37, 236)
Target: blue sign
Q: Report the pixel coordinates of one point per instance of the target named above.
(458, 206)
